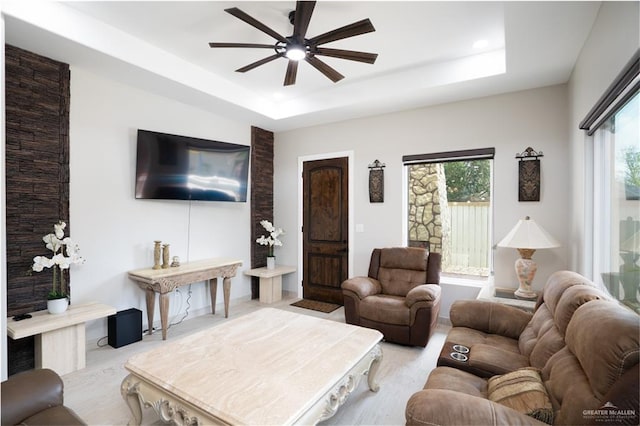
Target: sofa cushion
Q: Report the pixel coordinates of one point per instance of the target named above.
(385, 309)
(495, 360)
(541, 323)
(556, 285)
(401, 269)
(572, 299)
(457, 380)
(468, 337)
(58, 415)
(568, 388)
(544, 335)
(489, 317)
(604, 337)
(602, 344)
(523, 391)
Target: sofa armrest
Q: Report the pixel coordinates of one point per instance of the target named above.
(489, 317)
(447, 407)
(362, 286)
(26, 394)
(422, 293)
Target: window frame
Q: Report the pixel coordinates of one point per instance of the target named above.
(598, 172)
(452, 156)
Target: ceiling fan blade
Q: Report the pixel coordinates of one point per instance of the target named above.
(258, 63)
(255, 23)
(325, 69)
(292, 71)
(357, 28)
(304, 10)
(351, 55)
(254, 45)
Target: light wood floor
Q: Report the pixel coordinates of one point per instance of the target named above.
(94, 392)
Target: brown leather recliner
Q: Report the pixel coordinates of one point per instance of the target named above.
(400, 297)
(503, 338)
(35, 397)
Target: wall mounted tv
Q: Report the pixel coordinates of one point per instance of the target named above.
(172, 167)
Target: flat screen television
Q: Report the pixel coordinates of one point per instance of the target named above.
(172, 167)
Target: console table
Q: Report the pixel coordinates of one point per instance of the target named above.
(59, 338)
(270, 281)
(164, 281)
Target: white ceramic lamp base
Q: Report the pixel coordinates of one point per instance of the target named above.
(525, 270)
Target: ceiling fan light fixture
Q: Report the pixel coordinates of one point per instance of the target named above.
(295, 52)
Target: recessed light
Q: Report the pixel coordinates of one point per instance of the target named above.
(480, 44)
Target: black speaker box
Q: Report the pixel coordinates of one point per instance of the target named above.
(125, 327)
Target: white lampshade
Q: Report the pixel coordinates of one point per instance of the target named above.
(527, 234)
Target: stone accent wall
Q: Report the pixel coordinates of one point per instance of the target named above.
(37, 179)
(261, 197)
(427, 202)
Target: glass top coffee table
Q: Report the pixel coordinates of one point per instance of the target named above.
(268, 367)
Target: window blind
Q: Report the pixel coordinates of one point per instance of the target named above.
(443, 157)
(623, 88)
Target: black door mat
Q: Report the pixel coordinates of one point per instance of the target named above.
(316, 305)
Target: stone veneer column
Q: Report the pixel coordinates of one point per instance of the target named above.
(261, 197)
(37, 176)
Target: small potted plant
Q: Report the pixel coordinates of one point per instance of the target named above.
(271, 241)
(65, 254)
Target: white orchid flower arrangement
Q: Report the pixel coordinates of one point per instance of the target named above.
(271, 240)
(65, 253)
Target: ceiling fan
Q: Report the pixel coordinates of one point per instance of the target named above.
(297, 47)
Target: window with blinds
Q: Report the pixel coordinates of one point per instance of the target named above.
(613, 126)
(449, 208)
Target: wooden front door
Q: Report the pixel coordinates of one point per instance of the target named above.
(325, 228)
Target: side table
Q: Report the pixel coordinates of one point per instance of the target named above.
(506, 296)
(59, 338)
(270, 281)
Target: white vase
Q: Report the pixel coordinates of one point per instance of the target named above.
(57, 306)
(271, 262)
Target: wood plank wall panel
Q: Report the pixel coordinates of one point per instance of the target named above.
(37, 179)
(261, 196)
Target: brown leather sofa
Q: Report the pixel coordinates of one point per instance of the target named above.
(584, 344)
(400, 297)
(35, 397)
(503, 339)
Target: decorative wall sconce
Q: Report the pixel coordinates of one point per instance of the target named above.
(376, 182)
(529, 175)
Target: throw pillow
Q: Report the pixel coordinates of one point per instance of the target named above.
(523, 391)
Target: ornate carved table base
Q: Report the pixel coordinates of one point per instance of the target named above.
(164, 281)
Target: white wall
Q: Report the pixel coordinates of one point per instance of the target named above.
(510, 123)
(613, 40)
(114, 230)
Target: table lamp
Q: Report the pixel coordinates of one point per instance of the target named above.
(527, 236)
